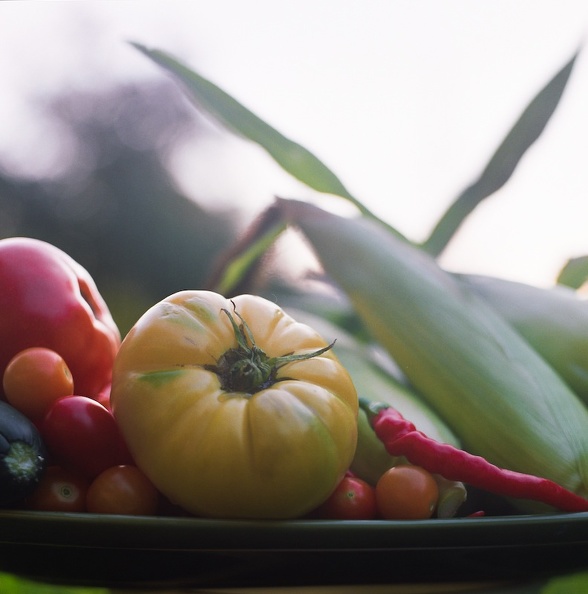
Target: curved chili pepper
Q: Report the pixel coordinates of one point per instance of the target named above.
(401, 438)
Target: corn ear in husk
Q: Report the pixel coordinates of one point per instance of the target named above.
(500, 397)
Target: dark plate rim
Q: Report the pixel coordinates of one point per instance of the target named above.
(181, 533)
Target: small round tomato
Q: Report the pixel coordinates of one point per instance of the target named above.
(34, 379)
(59, 490)
(83, 435)
(352, 499)
(406, 492)
(122, 489)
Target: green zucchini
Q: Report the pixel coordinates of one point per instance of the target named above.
(23, 456)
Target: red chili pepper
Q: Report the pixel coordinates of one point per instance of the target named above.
(401, 438)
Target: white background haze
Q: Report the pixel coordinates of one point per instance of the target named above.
(404, 100)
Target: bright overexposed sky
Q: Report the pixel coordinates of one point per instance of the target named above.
(404, 99)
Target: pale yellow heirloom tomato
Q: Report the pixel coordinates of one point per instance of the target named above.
(232, 408)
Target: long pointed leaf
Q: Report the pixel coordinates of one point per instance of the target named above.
(240, 263)
(503, 163)
(291, 156)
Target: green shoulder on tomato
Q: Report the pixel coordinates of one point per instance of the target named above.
(232, 408)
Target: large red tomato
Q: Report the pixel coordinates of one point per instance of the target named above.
(49, 300)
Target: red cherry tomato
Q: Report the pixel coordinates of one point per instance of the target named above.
(122, 490)
(83, 435)
(352, 499)
(59, 490)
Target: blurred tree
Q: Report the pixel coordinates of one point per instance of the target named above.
(112, 205)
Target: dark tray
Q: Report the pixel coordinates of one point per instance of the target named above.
(125, 551)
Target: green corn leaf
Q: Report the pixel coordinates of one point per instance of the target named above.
(240, 267)
(575, 273)
(307, 168)
(234, 271)
(291, 156)
(503, 163)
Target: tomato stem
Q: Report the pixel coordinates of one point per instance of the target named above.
(247, 368)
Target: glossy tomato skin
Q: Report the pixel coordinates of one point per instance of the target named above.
(59, 490)
(406, 492)
(82, 435)
(48, 299)
(353, 499)
(276, 452)
(36, 378)
(122, 489)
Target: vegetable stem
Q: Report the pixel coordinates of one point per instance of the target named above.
(247, 368)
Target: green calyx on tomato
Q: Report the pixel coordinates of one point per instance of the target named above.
(246, 368)
(273, 445)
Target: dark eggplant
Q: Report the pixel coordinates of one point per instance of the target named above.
(23, 455)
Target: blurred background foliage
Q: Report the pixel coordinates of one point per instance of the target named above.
(112, 204)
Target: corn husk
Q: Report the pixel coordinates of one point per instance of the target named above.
(554, 320)
(496, 393)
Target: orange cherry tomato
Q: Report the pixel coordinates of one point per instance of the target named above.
(122, 489)
(352, 499)
(406, 492)
(34, 379)
(59, 490)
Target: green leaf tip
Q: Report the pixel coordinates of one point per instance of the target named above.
(503, 163)
(292, 157)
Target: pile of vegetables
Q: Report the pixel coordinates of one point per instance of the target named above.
(222, 403)
(60, 445)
